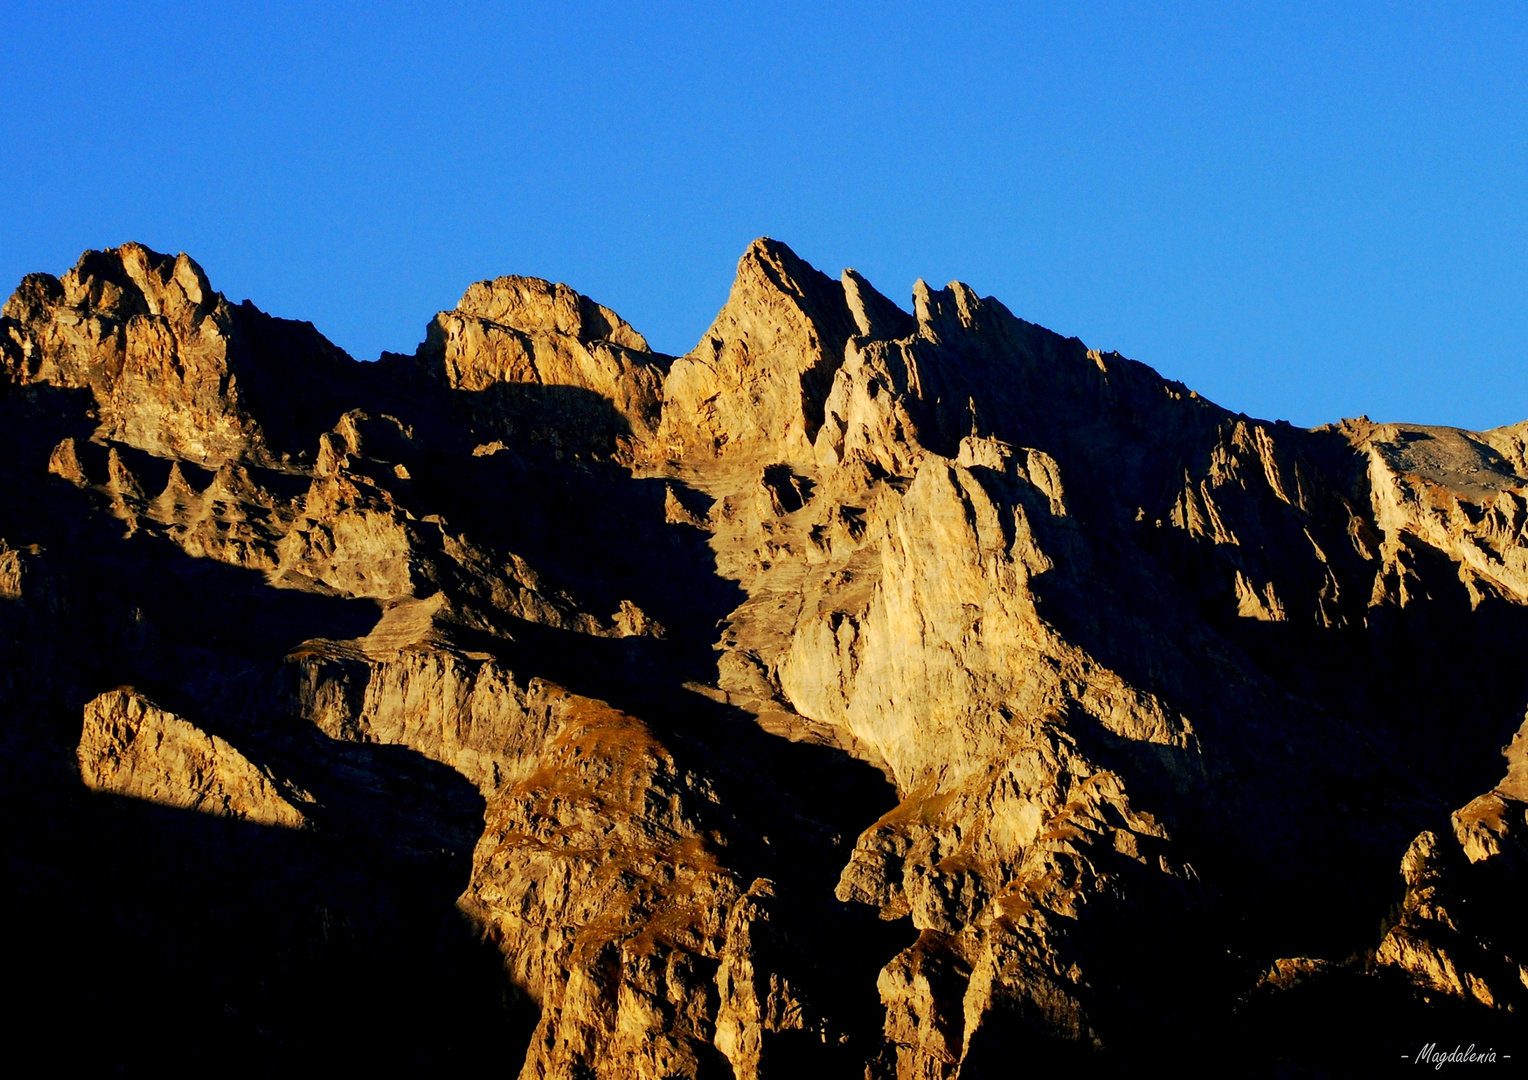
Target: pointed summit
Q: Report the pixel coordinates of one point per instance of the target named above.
(174, 368)
(756, 383)
(874, 314)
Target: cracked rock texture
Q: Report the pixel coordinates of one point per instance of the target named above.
(869, 692)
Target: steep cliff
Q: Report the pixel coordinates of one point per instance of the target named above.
(866, 692)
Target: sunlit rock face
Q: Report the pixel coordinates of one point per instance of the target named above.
(867, 692)
(130, 747)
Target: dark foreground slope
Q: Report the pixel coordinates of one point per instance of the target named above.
(863, 693)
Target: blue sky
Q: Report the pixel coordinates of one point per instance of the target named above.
(1304, 212)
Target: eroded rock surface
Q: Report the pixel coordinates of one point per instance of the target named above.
(867, 692)
(131, 747)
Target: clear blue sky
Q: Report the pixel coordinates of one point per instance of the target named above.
(1304, 212)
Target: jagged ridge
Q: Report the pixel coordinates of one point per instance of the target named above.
(1055, 707)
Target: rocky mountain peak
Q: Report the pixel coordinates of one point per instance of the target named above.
(756, 383)
(172, 367)
(119, 283)
(862, 693)
(536, 306)
(539, 360)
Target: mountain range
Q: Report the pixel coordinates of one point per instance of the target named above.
(867, 692)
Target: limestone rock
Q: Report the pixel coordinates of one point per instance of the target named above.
(541, 360)
(1457, 934)
(463, 711)
(172, 367)
(869, 691)
(757, 382)
(131, 747)
(596, 878)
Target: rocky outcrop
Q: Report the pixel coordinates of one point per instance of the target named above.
(596, 877)
(866, 692)
(171, 366)
(1458, 933)
(757, 382)
(460, 708)
(131, 747)
(1449, 490)
(539, 361)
